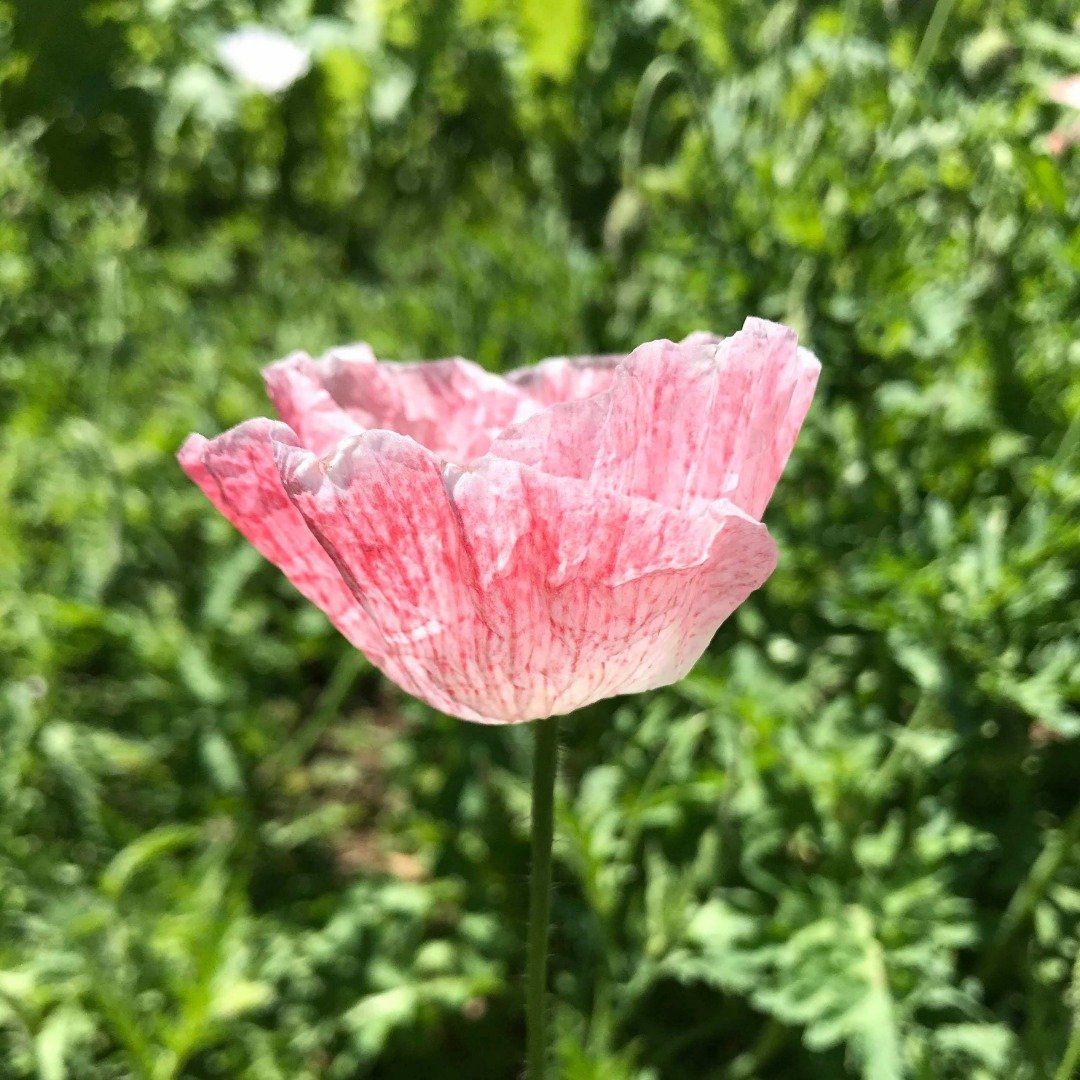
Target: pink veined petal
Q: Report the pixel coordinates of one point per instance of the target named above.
(238, 473)
(630, 592)
(702, 420)
(297, 387)
(381, 508)
(505, 594)
(566, 378)
(453, 407)
(701, 338)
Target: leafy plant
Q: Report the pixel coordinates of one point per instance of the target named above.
(845, 846)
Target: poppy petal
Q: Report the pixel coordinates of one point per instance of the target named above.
(237, 472)
(505, 594)
(701, 420)
(453, 407)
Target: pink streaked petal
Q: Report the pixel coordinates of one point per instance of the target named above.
(381, 508)
(297, 389)
(453, 407)
(566, 378)
(505, 594)
(570, 378)
(628, 592)
(702, 420)
(238, 473)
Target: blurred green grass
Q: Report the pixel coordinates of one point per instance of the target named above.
(847, 845)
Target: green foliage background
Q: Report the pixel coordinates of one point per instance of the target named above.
(846, 846)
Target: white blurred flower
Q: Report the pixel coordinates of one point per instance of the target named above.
(1066, 91)
(262, 58)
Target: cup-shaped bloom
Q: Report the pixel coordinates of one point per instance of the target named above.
(510, 548)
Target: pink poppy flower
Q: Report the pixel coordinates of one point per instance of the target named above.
(511, 548)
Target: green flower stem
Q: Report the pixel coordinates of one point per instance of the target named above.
(545, 754)
(1069, 1068)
